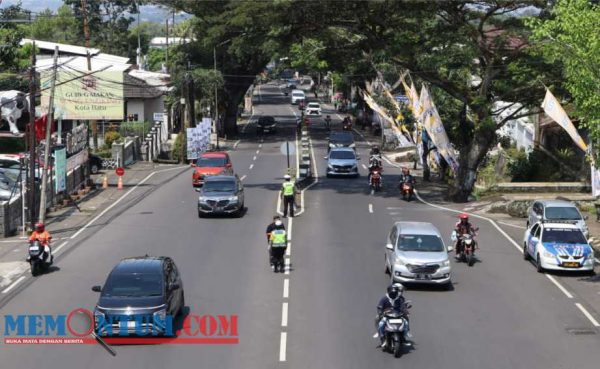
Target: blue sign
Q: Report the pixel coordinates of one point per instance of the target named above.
(60, 169)
(402, 99)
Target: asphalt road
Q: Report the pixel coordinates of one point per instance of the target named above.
(500, 313)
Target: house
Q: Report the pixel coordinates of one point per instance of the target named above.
(163, 42)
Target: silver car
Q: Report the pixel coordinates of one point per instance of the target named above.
(222, 194)
(342, 161)
(543, 210)
(415, 253)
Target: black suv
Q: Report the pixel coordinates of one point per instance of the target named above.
(266, 124)
(141, 296)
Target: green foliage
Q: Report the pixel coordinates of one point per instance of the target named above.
(140, 128)
(111, 137)
(571, 38)
(10, 36)
(61, 27)
(535, 167)
(10, 81)
(105, 153)
(180, 141)
(306, 55)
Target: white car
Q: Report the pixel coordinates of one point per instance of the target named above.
(558, 246)
(297, 96)
(313, 109)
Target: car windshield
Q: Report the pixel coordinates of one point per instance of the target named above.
(133, 285)
(312, 105)
(266, 120)
(425, 243)
(219, 186)
(562, 212)
(211, 162)
(342, 155)
(298, 94)
(563, 235)
(342, 138)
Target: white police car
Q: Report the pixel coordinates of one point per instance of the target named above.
(558, 246)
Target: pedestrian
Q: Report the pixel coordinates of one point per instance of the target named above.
(288, 192)
(335, 105)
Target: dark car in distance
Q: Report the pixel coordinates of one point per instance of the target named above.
(141, 296)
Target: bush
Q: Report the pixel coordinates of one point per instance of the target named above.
(106, 154)
(111, 137)
(140, 128)
(180, 141)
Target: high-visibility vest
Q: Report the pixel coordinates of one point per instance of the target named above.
(279, 238)
(288, 188)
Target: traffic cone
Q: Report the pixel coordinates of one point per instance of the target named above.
(120, 183)
(105, 182)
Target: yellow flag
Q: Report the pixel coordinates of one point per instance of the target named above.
(555, 111)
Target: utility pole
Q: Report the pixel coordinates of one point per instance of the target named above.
(184, 102)
(42, 216)
(167, 48)
(86, 32)
(32, 92)
(216, 98)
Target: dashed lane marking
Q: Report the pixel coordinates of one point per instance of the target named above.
(282, 346)
(286, 288)
(243, 177)
(371, 208)
(284, 314)
(251, 166)
(587, 314)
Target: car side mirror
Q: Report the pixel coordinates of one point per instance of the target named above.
(389, 246)
(97, 288)
(197, 189)
(174, 286)
(538, 217)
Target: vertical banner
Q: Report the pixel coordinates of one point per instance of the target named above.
(595, 181)
(555, 111)
(60, 170)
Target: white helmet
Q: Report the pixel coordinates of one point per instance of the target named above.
(278, 222)
(287, 176)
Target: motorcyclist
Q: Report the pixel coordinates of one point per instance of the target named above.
(375, 162)
(406, 177)
(393, 300)
(461, 227)
(276, 224)
(375, 151)
(41, 235)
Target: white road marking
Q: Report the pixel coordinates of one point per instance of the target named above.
(512, 225)
(286, 288)
(512, 242)
(587, 314)
(257, 151)
(59, 247)
(363, 137)
(284, 314)
(260, 145)
(282, 346)
(287, 266)
(235, 145)
(364, 166)
(316, 176)
(560, 287)
(7, 289)
(248, 122)
(121, 198)
(371, 208)
(254, 158)
(251, 166)
(243, 177)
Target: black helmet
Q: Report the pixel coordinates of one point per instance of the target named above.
(395, 290)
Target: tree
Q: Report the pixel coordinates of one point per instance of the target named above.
(571, 36)
(61, 27)
(10, 37)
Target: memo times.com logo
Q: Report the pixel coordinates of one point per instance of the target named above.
(81, 326)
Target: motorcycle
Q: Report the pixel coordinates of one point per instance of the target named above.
(375, 181)
(467, 248)
(278, 259)
(407, 190)
(38, 258)
(347, 126)
(395, 324)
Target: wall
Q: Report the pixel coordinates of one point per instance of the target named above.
(152, 106)
(136, 106)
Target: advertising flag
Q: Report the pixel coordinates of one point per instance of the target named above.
(555, 111)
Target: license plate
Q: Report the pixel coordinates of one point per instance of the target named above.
(571, 264)
(423, 276)
(396, 321)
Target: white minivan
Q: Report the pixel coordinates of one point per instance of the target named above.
(297, 96)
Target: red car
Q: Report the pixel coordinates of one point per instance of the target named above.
(210, 164)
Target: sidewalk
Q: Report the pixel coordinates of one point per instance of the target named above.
(64, 222)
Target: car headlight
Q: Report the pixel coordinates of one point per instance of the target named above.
(399, 262)
(99, 317)
(446, 263)
(202, 200)
(329, 166)
(352, 145)
(547, 254)
(331, 144)
(232, 199)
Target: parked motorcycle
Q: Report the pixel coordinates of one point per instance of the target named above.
(395, 324)
(407, 189)
(38, 258)
(466, 249)
(375, 181)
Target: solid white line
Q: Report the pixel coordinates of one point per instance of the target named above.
(282, 346)
(120, 199)
(7, 289)
(512, 225)
(316, 176)
(284, 314)
(587, 314)
(254, 158)
(251, 166)
(560, 287)
(371, 208)
(279, 203)
(286, 288)
(243, 177)
(363, 137)
(59, 247)
(235, 145)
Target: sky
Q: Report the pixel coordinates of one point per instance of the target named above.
(150, 13)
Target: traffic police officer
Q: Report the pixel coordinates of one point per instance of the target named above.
(288, 191)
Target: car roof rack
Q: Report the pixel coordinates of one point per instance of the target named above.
(559, 221)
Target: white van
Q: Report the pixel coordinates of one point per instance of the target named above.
(297, 96)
